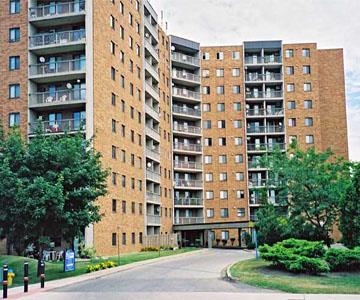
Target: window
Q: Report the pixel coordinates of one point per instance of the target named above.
(14, 91)
(222, 141)
(123, 130)
(121, 8)
(140, 209)
(113, 239)
(122, 81)
(123, 180)
(207, 159)
(112, 47)
(206, 90)
(207, 124)
(241, 212)
(290, 87)
(124, 238)
(219, 72)
(235, 72)
(236, 89)
(14, 35)
(113, 73)
(14, 63)
(122, 57)
(222, 159)
(208, 142)
(123, 156)
(223, 176)
(113, 125)
(133, 238)
(209, 195)
(206, 107)
(238, 141)
(113, 178)
(305, 52)
(130, 42)
(132, 207)
(208, 177)
(131, 66)
(112, 22)
(114, 205)
(132, 159)
(235, 55)
(123, 206)
(307, 87)
(138, 50)
(205, 73)
(292, 122)
(14, 119)
(240, 194)
(140, 237)
(206, 55)
(220, 107)
(113, 99)
(309, 139)
(237, 106)
(309, 121)
(239, 176)
(220, 90)
(113, 152)
(210, 212)
(221, 124)
(291, 104)
(220, 55)
(122, 32)
(290, 70)
(14, 7)
(130, 19)
(239, 158)
(223, 194)
(306, 70)
(289, 53)
(224, 213)
(237, 124)
(308, 104)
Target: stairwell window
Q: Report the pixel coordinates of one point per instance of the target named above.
(112, 47)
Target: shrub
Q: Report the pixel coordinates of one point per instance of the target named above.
(100, 266)
(305, 248)
(86, 252)
(149, 249)
(303, 264)
(343, 259)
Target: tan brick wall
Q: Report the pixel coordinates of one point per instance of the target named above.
(229, 115)
(7, 77)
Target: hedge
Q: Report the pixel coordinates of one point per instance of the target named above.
(343, 259)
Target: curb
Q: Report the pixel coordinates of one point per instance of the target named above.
(228, 275)
(17, 292)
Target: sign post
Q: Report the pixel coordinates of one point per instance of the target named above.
(69, 261)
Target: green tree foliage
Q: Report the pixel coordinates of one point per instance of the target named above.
(48, 187)
(350, 211)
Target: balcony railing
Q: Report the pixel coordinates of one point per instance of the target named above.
(263, 77)
(152, 197)
(65, 66)
(152, 111)
(265, 129)
(57, 38)
(188, 220)
(253, 217)
(267, 59)
(186, 111)
(187, 165)
(59, 126)
(256, 164)
(152, 175)
(153, 153)
(152, 132)
(257, 182)
(185, 76)
(265, 147)
(188, 147)
(267, 94)
(58, 97)
(153, 219)
(188, 183)
(184, 93)
(187, 128)
(57, 9)
(183, 58)
(262, 112)
(189, 201)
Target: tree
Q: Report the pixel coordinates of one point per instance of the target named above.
(314, 183)
(48, 188)
(350, 211)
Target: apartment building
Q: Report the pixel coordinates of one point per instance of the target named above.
(182, 127)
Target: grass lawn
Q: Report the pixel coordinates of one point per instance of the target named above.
(259, 273)
(54, 270)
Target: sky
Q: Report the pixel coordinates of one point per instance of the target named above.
(330, 23)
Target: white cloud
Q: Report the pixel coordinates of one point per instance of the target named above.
(330, 23)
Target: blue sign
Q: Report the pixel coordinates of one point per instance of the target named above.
(69, 261)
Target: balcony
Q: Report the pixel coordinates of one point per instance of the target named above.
(153, 198)
(189, 202)
(183, 59)
(188, 147)
(152, 91)
(153, 154)
(192, 130)
(48, 43)
(264, 95)
(152, 112)
(256, 77)
(265, 147)
(185, 78)
(154, 52)
(57, 13)
(256, 165)
(60, 98)
(153, 220)
(261, 112)
(261, 60)
(55, 71)
(152, 132)
(273, 129)
(56, 127)
(187, 95)
(178, 164)
(152, 70)
(187, 111)
(153, 176)
(188, 220)
(151, 27)
(257, 183)
(190, 183)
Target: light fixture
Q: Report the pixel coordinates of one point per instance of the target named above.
(147, 35)
(149, 164)
(78, 80)
(42, 59)
(172, 48)
(69, 85)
